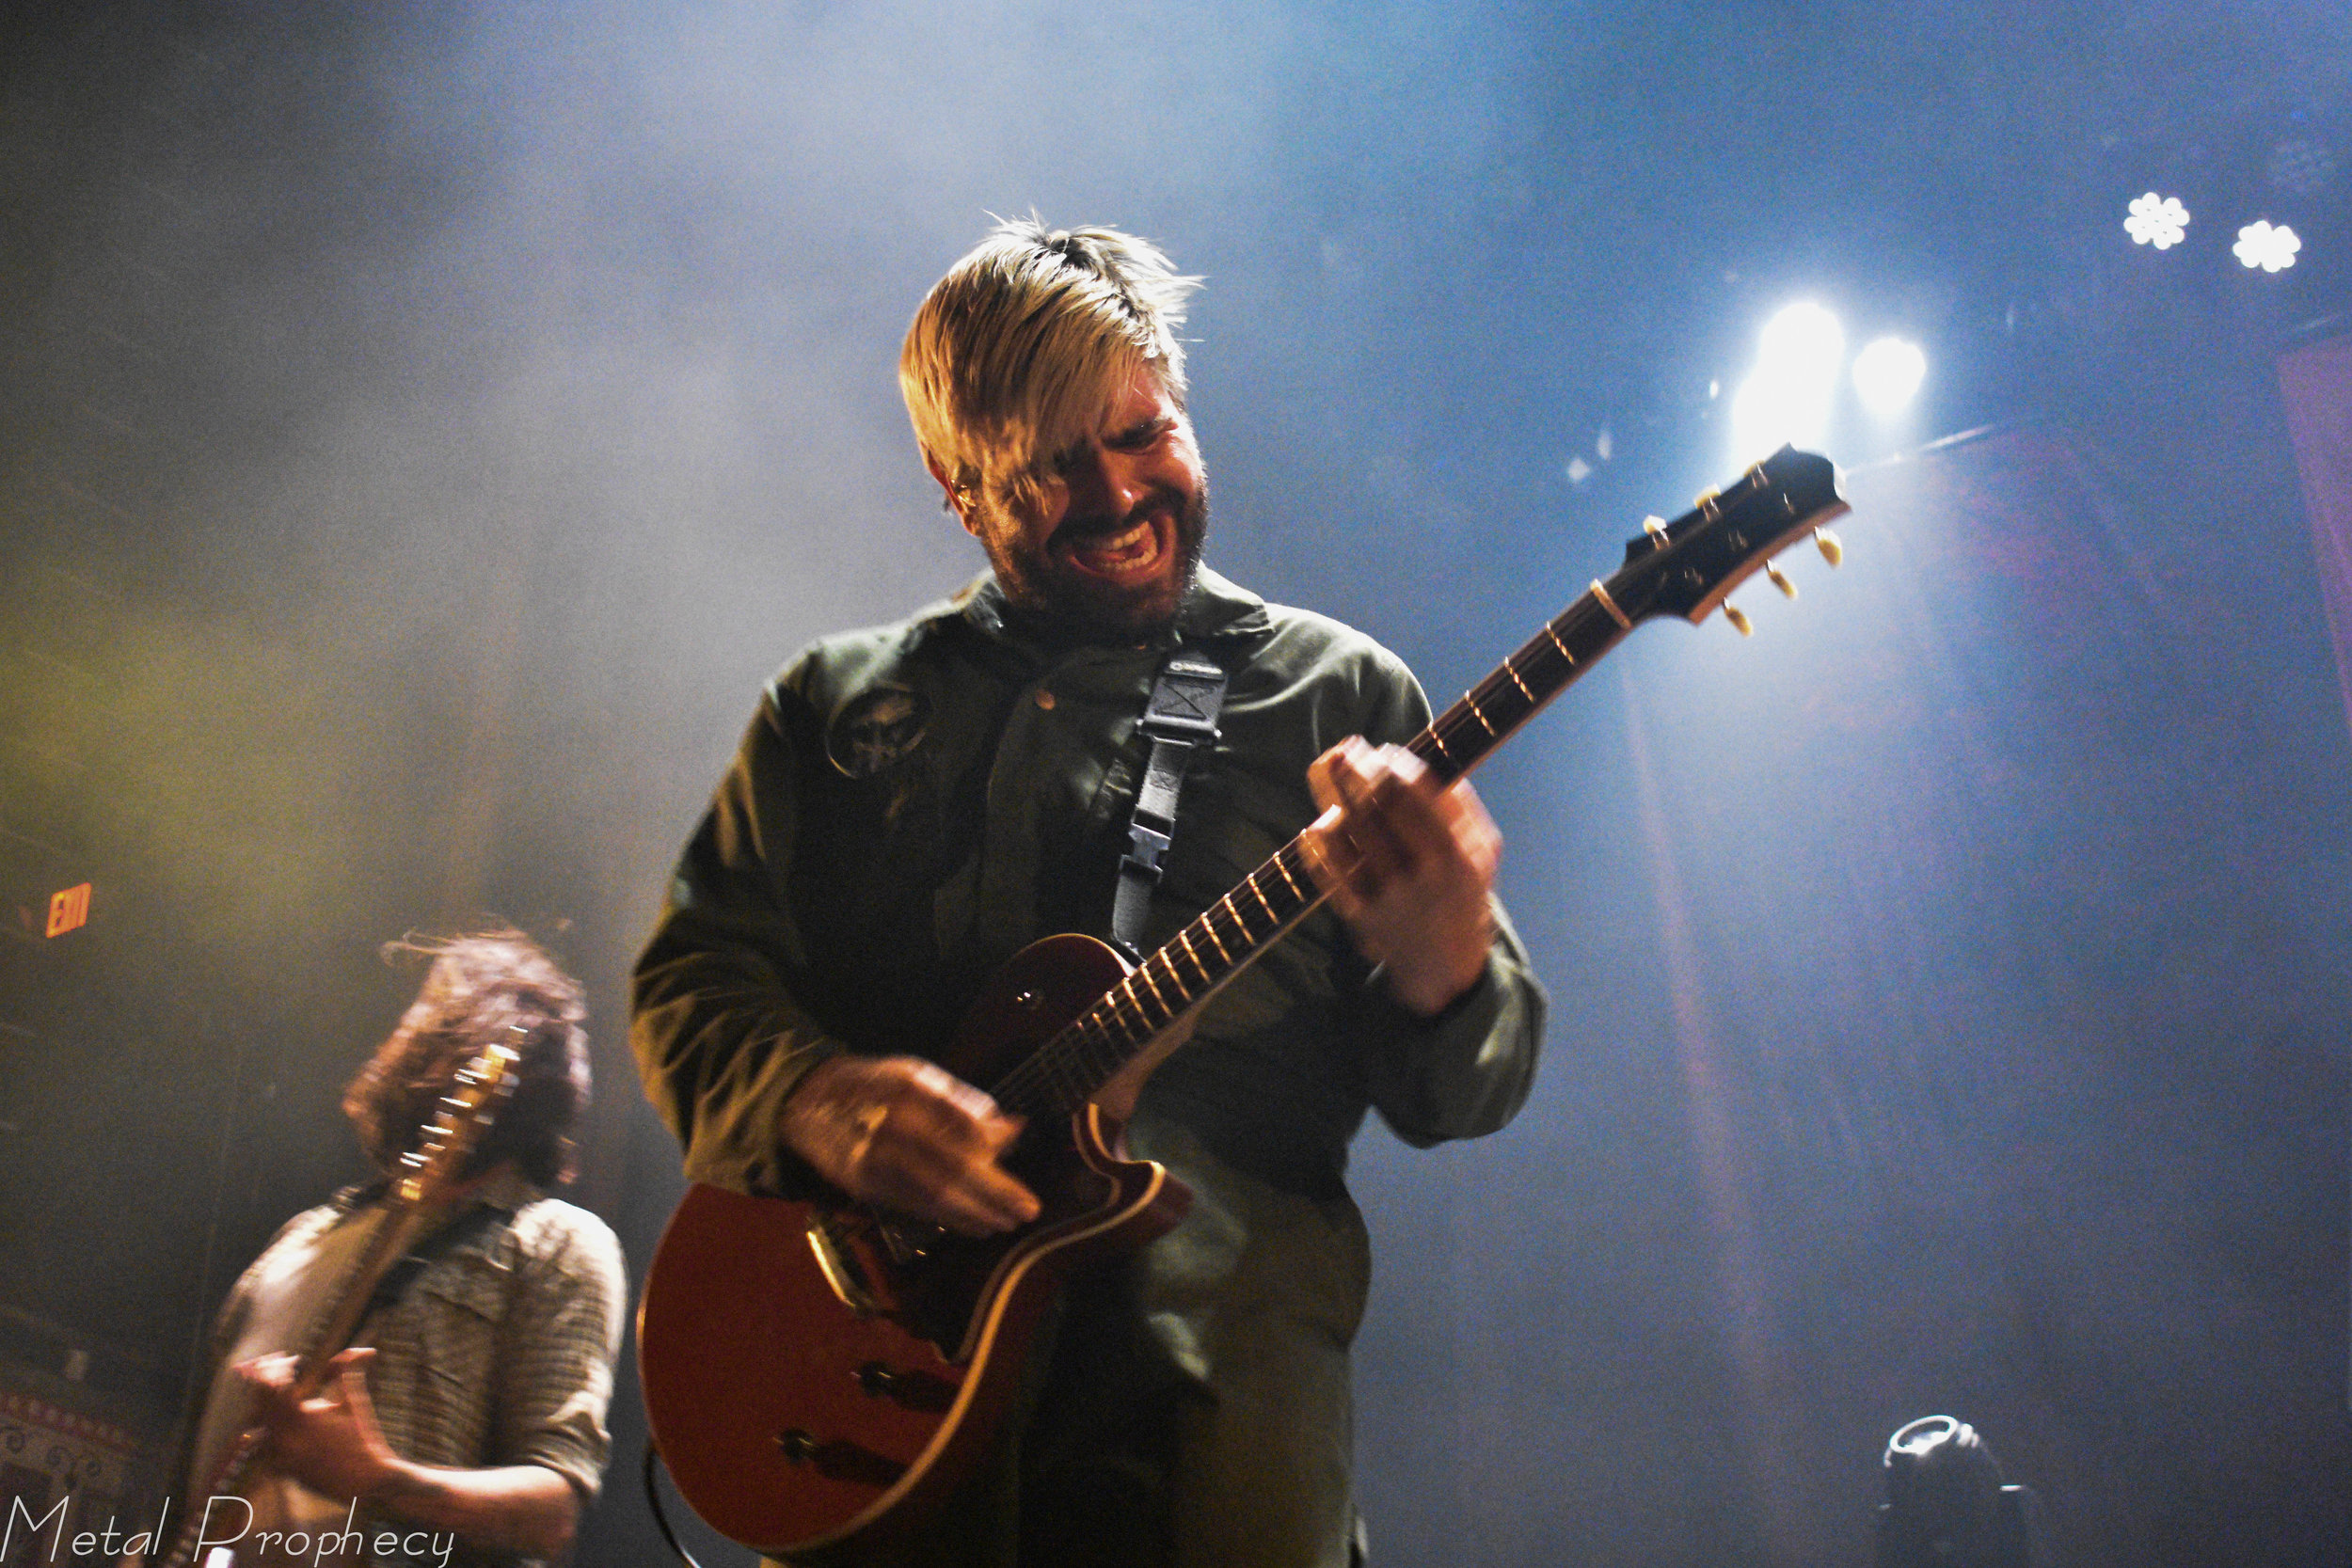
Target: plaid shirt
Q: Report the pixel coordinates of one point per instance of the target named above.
(499, 1353)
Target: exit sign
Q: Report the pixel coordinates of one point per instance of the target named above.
(68, 909)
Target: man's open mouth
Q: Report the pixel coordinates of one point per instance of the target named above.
(1131, 553)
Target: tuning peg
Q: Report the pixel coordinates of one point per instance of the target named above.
(1656, 527)
(1832, 549)
(1780, 580)
(1738, 619)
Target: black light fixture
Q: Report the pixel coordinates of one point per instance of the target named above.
(1948, 1505)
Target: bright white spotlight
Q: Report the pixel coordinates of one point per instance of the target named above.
(1886, 375)
(2158, 220)
(2259, 245)
(1770, 411)
(1804, 343)
(1787, 398)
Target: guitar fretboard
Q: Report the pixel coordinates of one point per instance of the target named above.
(1069, 1069)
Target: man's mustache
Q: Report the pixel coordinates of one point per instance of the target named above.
(1077, 531)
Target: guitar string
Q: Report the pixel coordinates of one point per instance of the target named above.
(1072, 1065)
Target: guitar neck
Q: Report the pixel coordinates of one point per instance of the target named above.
(1684, 568)
(1233, 932)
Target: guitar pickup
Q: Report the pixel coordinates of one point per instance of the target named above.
(840, 1459)
(904, 1385)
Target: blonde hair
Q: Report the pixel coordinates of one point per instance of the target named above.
(1020, 346)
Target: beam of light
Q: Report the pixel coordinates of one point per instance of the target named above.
(1886, 375)
(2158, 220)
(1764, 1383)
(1787, 397)
(2273, 249)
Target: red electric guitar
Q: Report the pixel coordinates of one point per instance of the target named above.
(818, 1373)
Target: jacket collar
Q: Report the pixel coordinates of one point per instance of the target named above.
(1213, 609)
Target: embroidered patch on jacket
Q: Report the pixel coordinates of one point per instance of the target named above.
(877, 729)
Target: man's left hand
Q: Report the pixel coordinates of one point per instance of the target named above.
(1409, 865)
(329, 1442)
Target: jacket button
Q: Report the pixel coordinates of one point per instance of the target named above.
(1044, 698)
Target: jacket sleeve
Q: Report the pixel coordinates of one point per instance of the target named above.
(1467, 1071)
(719, 1039)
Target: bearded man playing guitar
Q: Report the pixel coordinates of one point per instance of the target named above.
(914, 803)
(465, 1421)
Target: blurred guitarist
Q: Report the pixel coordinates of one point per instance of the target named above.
(914, 803)
(465, 1422)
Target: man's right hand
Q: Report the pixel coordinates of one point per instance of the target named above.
(904, 1133)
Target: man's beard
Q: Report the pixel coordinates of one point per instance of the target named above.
(1068, 604)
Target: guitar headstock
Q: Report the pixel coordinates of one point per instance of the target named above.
(1690, 567)
(463, 1119)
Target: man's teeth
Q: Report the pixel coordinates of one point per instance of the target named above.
(1131, 542)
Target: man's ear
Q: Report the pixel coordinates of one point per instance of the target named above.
(958, 499)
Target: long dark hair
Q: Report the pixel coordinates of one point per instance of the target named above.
(479, 985)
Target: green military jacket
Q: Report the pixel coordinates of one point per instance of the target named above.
(913, 805)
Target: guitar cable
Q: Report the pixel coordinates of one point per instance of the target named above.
(661, 1514)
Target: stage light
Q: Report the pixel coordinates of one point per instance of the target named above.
(1886, 375)
(1787, 398)
(1804, 343)
(2158, 220)
(2259, 245)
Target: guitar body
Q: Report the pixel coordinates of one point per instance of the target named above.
(817, 1375)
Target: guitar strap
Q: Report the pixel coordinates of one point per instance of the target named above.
(1180, 720)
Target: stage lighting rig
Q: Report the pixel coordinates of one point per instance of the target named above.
(1948, 1506)
(2158, 220)
(2270, 248)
